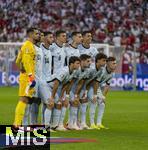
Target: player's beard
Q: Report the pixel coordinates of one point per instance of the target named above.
(37, 40)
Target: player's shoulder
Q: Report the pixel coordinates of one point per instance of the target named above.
(63, 70)
(52, 47)
(80, 47)
(27, 43)
(27, 46)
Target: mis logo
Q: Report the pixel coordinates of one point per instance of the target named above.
(25, 138)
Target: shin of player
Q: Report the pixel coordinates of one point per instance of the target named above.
(92, 86)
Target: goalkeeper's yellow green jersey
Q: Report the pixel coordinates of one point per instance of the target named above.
(26, 57)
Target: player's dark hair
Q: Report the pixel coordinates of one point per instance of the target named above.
(85, 32)
(30, 30)
(73, 59)
(47, 33)
(111, 59)
(59, 32)
(75, 33)
(100, 56)
(84, 57)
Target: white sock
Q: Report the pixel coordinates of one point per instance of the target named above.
(62, 116)
(92, 111)
(56, 117)
(100, 112)
(47, 116)
(34, 114)
(73, 115)
(42, 114)
(83, 108)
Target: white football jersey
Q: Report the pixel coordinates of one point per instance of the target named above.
(47, 60)
(82, 74)
(105, 76)
(71, 51)
(39, 62)
(63, 75)
(93, 73)
(58, 56)
(92, 51)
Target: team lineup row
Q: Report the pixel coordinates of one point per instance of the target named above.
(62, 77)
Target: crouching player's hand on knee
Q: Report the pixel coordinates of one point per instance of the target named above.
(51, 102)
(65, 102)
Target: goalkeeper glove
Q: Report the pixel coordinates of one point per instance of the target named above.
(32, 81)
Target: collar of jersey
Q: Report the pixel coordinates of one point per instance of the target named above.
(85, 47)
(58, 45)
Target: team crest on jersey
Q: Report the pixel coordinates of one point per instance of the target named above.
(62, 76)
(38, 57)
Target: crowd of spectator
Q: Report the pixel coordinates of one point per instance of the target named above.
(115, 22)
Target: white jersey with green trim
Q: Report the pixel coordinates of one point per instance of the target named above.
(104, 77)
(91, 51)
(71, 51)
(39, 62)
(58, 56)
(46, 64)
(63, 75)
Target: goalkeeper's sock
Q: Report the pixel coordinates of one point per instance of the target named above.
(56, 117)
(83, 113)
(47, 116)
(19, 113)
(34, 111)
(100, 113)
(26, 115)
(92, 113)
(62, 116)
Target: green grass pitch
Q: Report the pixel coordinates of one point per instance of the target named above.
(126, 116)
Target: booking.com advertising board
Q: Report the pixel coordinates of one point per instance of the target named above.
(119, 82)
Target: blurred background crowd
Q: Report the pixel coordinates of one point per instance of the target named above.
(115, 22)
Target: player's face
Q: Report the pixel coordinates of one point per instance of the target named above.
(50, 38)
(101, 62)
(62, 37)
(41, 36)
(87, 38)
(76, 65)
(78, 38)
(87, 63)
(112, 65)
(36, 35)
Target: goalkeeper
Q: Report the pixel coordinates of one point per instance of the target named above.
(26, 62)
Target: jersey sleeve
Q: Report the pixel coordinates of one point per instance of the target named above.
(19, 58)
(99, 75)
(60, 75)
(95, 52)
(108, 82)
(28, 57)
